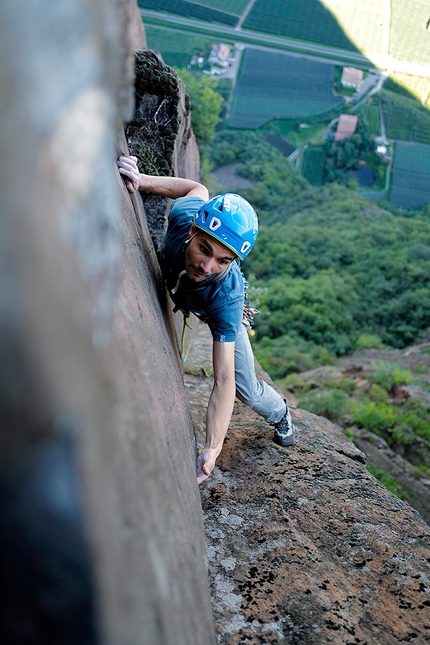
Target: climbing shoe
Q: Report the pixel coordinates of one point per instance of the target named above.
(284, 430)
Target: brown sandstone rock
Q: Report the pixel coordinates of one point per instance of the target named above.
(304, 545)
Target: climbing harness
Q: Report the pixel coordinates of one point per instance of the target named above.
(248, 311)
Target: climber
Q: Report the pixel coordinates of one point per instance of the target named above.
(204, 243)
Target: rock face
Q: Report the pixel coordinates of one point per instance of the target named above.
(160, 133)
(101, 533)
(304, 545)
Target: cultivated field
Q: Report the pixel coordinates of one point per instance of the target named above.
(409, 31)
(198, 10)
(177, 46)
(364, 22)
(411, 176)
(405, 120)
(368, 115)
(313, 165)
(302, 19)
(280, 86)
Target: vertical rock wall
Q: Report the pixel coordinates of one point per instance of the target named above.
(100, 525)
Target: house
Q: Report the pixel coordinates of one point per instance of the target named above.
(346, 126)
(220, 55)
(351, 77)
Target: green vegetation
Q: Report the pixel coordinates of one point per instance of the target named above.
(350, 154)
(408, 25)
(368, 116)
(302, 19)
(294, 88)
(358, 399)
(411, 176)
(405, 118)
(205, 104)
(330, 270)
(388, 481)
(177, 46)
(314, 160)
(190, 10)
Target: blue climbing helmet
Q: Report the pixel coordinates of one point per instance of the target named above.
(231, 220)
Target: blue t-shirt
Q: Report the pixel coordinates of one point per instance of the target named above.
(219, 302)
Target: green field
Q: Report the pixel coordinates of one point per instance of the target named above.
(364, 23)
(279, 86)
(313, 165)
(199, 11)
(368, 115)
(302, 19)
(409, 36)
(405, 119)
(177, 46)
(410, 183)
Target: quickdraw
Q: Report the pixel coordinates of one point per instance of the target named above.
(248, 311)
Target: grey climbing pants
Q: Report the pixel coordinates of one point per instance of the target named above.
(260, 396)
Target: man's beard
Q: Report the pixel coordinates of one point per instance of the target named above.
(194, 272)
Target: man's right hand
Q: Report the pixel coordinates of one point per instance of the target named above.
(205, 464)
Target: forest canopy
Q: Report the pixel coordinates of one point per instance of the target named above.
(330, 269)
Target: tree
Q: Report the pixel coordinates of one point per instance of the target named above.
(205, 104)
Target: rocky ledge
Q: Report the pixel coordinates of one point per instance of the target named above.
(304, 545)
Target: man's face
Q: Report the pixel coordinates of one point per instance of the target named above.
(205, 256)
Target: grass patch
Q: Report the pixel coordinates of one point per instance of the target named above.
(387, 480)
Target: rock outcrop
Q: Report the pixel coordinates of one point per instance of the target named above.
(101, 533)
(304, 545)
(101, 530)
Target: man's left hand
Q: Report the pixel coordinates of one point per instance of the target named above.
(129, 171)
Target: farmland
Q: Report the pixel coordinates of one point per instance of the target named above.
(409, 38)
(368, 115)
(313, 165)
(405, 119)
(199, 11)
(176, 46)
(411, 176)
(302, 19)
(280, 86)
(364, 23)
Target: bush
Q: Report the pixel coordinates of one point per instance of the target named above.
(330, 405)
(369, 341)
(376, 417)
(378, 393)
(389, 374)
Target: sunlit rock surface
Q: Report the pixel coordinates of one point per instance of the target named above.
(304, 545)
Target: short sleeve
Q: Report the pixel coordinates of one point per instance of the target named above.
(189, 205)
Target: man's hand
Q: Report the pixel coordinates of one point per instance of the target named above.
(129, 171)
(205, 464)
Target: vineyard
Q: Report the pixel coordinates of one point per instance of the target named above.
(278, 86)
(302, 19)
(369, 117)
(405, 120)
(198, 11)
(363, 23)
(411, 176)
(313, 165)
(409, 35)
